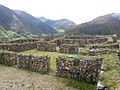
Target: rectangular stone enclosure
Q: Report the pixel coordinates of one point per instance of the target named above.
(85, 70)
(69, 48)
(46, 46)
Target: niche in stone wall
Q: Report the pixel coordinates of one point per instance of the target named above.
(76, 62)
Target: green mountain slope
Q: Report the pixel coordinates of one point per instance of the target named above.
(23, 23)
(107, 24)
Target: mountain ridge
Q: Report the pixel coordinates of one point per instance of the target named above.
(106, 24)
(58, 24)
(10, 20)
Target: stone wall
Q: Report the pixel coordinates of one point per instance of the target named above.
(101, 52)
(46, 46)
(89, 39)
(87, 70)
(80, 42)
(81, 37)
(111, 46)
(8, 58)
(69, 48)
(24, 40)
(52, 37)
(28, 62)
(37, 64)
(18, 47)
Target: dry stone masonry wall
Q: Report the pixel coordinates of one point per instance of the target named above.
(24, 40)
(80, 42)
(28, 62)
(18, 47)
(8, 58)
(37, 64)
(111, 46)
(87, 70)
(97, 52)
(69, 48)
(46, 46)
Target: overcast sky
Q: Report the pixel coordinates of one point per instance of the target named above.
(78, 11)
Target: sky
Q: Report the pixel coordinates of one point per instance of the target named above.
(79, 11)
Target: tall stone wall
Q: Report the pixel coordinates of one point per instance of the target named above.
(37, 64)
(69, 48)
(87, 70)
(28, 62)
(46, 46)
(18, 47)
(8, 58)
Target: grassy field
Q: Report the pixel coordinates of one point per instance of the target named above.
(110, 77)
(66, 81)
(111, 74)
(60, 30)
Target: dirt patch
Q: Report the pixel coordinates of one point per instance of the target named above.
(18, 79)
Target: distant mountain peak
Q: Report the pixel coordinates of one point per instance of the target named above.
(20, 21)
(43, 19)
(58, 24)
(116, 15)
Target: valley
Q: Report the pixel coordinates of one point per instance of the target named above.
(38, 53)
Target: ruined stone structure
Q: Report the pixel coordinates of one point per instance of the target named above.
(80, 42)
(111, 46)
(89, 39)
(18, 47)
(24, 40)
(28, 62)
(101, 52)
(37, 64)
(81, 37)
(97, 52)
(8, 58)
(87, 70)
(52, 37)
(69, 48)
(46, 46)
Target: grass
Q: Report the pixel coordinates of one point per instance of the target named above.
(109, 77)
(53, 56)
(67, 81)
(111, 74)
(79, 84)
(60, 30)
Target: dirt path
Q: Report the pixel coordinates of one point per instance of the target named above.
(17, 79)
